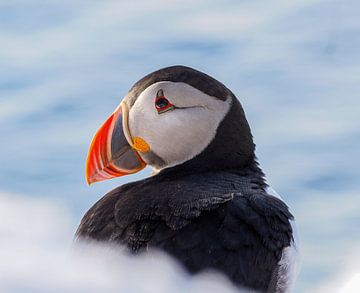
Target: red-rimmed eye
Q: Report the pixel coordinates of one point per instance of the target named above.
(162, 104)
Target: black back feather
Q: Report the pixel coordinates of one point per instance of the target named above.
(217, 220)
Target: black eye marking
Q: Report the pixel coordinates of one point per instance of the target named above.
(162, 104)
(160, 93)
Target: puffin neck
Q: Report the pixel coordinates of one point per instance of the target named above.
(231, 149)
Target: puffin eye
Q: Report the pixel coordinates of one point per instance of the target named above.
(162, 104)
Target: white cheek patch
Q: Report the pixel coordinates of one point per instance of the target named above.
(180, 134)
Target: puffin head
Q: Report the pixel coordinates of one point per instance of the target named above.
(176, 116)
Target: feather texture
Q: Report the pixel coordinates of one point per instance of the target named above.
(217, 220)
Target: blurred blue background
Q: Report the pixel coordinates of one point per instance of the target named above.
(294, 65)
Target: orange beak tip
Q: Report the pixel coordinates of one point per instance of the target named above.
(88, 182)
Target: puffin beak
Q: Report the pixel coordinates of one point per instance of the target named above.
(113, 152)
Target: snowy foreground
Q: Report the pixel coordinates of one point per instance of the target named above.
(37, 255)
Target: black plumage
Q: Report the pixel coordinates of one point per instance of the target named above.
(211, 212)
(214, 220)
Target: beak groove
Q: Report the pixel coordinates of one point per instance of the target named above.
(103, 162)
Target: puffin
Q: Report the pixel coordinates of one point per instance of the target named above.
(207, 202)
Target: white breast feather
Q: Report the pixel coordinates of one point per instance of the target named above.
(290, 260)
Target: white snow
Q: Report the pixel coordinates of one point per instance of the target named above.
(37, 255)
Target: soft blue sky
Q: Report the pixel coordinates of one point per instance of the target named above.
(294, 65)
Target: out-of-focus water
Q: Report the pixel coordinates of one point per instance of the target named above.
(295, 67)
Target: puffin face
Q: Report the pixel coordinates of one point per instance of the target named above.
(176, 120)
(166, 124)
